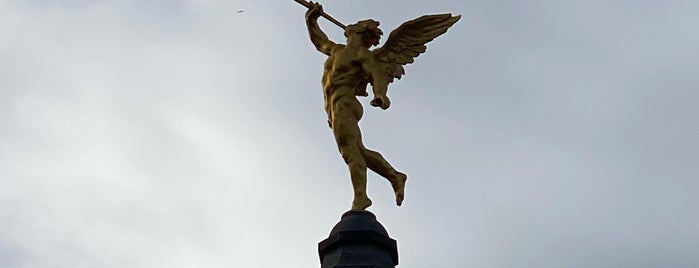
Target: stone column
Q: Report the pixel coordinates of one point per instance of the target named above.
(358, 241)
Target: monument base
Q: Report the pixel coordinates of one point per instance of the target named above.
(358, 240)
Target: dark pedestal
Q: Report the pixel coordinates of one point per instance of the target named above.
(358, 241)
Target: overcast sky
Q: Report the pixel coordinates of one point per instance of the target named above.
(177, 133)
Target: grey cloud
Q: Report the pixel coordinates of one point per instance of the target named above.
(535, 134)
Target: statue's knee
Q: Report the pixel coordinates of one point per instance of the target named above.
(347, 156)
(352, 157)
(358, 164)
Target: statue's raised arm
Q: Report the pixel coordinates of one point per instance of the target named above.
(318, 37)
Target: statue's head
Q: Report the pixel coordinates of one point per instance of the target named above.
(368, 30)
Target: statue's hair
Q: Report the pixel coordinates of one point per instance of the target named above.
(368, 28)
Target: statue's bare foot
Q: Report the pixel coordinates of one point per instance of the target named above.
(361, 203)
(399, 187)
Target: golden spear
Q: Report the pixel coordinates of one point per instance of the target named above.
(322, 13)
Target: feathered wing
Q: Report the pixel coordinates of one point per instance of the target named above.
(408, 41)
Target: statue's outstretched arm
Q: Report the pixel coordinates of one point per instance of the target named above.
(318, 37)
(377, 77)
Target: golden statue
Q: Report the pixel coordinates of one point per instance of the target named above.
(348, 70)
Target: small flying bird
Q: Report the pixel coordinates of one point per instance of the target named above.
(240, 11)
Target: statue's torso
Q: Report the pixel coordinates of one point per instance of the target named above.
(341, 76)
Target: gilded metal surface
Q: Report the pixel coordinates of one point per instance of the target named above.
(347, 72)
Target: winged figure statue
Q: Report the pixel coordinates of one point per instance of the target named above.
(350, 68)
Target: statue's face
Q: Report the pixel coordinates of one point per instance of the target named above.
(368, 30)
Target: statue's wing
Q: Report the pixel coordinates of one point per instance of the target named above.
(408, 41)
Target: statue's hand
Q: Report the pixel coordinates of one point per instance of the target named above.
(361, 93)
(314, 12)
(381, 101)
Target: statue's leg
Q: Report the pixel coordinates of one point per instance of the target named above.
(346, 131)
(377, 163)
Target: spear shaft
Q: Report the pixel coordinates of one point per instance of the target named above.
(325, 15)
